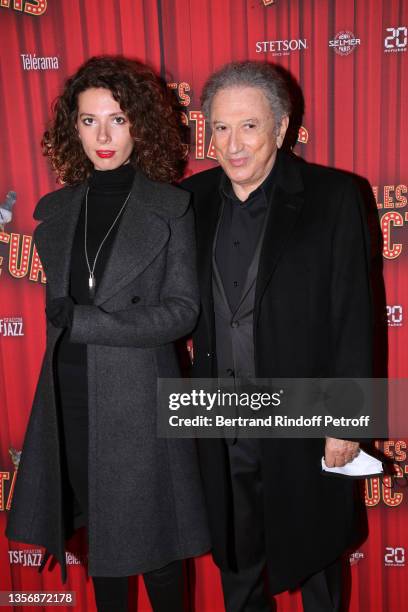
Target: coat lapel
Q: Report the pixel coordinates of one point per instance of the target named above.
(142, 234)
(216, 277)
(286, 204)
(207, 226)
(54, 238)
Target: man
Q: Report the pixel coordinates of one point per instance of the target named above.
(282, 262)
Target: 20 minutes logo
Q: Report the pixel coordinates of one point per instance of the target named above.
(394, 315)
(394, 557)
(397, 40)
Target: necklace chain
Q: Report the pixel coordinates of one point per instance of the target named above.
(91, 270)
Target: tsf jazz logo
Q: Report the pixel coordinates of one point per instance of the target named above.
(11, 326)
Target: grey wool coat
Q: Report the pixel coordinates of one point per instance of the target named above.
(146, 507)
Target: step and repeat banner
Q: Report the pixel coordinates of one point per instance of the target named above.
(350, 58)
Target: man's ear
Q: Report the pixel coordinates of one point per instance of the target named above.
(282, 131)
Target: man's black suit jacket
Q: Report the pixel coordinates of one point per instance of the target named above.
(312, 318)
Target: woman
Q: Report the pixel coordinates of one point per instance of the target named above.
(117, 247)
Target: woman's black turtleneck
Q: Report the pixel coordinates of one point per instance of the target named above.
(108, 191)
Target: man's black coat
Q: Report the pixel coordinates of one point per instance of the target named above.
(312, 318)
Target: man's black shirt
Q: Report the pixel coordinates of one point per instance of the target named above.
(238, 234)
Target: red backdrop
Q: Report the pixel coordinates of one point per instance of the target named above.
(350, 59)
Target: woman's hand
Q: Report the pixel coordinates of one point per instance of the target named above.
(60, 312)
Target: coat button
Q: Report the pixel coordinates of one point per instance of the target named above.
(234, 323)
(135, 299)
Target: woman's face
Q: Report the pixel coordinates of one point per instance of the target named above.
(103, 129)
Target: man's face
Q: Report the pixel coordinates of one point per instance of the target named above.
(245, 136)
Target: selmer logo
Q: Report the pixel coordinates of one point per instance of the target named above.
(344, 42)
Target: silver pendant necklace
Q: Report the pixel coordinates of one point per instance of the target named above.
(91, 270)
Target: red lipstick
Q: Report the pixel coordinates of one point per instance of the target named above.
(105, 154)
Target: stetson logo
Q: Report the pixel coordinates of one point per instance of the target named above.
(281, 46)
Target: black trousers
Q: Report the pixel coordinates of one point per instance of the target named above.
(164, 586)
(244, 590)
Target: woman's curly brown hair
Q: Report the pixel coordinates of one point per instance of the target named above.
(159, 150)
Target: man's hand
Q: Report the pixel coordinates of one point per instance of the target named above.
(339, 452)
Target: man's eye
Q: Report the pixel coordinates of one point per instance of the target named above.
(220, 128)
(249, 125)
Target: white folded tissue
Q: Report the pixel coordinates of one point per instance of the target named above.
(364, 465)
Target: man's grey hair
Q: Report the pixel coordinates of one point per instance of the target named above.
(262, 75)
